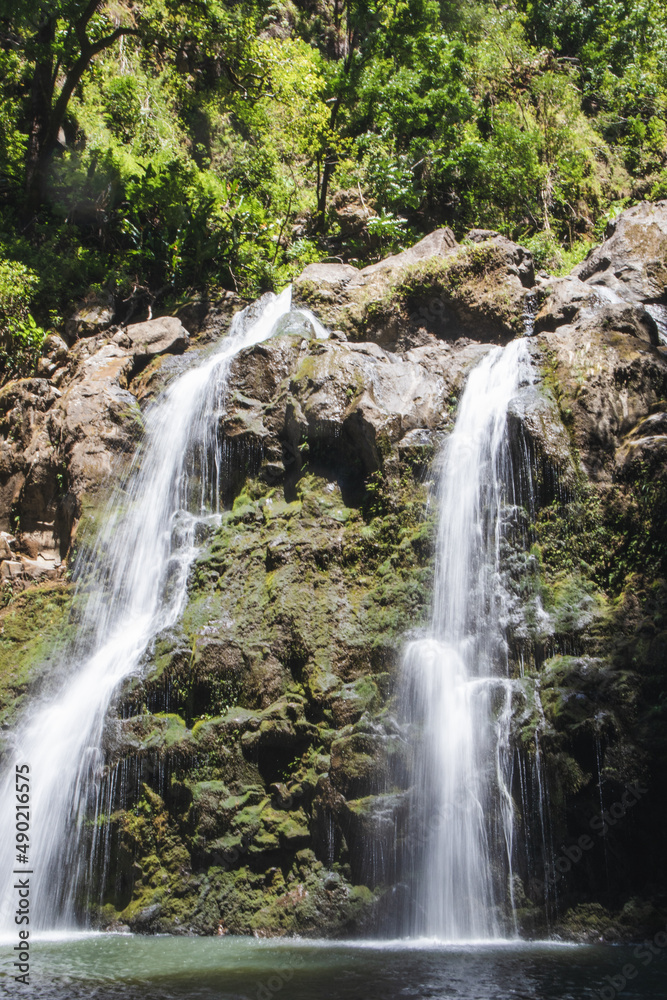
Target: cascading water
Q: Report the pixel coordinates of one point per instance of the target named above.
(456, 690)
(137, 576)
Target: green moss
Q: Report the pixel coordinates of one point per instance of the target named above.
(472, 280)
(309, 633)
(33, 627)
(588, 919)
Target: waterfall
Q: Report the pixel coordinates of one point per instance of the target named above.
(455, 688)
(136, 576)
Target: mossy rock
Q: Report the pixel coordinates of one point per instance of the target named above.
(33, 628)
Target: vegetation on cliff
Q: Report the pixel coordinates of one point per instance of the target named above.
(149, 151)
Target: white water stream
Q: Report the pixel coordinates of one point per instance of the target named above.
(456, 687)
(139, 568)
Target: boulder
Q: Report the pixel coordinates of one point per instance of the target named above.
(608, 381)
(90, 317)
(632, 261)
(600, 338)
(96, 416)
(55, 349)
(564, 300)
(349, 402)
(435, 287)
(165, 335)
(325, 280)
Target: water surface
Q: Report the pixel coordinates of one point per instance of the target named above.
(120, 967)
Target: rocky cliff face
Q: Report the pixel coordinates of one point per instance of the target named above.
(255, 768)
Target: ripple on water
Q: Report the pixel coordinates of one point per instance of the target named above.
(125, 967)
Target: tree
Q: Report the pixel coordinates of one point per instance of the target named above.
(58, 40)
(365, 29)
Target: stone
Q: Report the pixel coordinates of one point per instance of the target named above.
(435, 287)
(332, 289)
(604, 346)
(632, 262)
(328, 280)
(283, 725)
(357, 765)
(165, 335)
(565, 298)
(62, 441)
(41, 566)
(45, 368)
(10, 569)
(7, 542)
(55, 349)
(535, 418)
(97, 415)
(481, 235)
(91, 316)
(353, 400)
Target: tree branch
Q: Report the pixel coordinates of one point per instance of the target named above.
(74, 75)
(104, 43)
(82, 23)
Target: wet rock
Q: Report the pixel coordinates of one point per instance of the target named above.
(358, 765)
(608, 381)
(566, 297)
(601, 344)
(282, 726)
(536, 424)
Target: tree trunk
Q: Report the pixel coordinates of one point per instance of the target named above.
(47, 112)
(41, 100)
(327, 171)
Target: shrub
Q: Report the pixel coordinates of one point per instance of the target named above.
(20, 336)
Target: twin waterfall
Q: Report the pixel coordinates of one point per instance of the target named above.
(455, 685)
(455, 690)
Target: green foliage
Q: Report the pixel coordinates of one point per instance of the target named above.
(20, 336)
(387, 231)
(204, 145)
(620, 48)
(549, 255)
